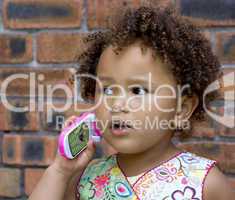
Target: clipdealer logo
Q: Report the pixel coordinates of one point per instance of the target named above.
(227, 84)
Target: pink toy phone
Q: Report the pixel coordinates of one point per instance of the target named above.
(74, 138)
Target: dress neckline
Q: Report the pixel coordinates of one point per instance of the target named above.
(147, 171)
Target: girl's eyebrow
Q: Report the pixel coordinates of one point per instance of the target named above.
(136, 81)
(129, 80)
(105, 78)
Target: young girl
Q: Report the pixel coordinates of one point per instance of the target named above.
(141, 60)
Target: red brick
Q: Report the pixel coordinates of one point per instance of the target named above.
(59, 47)
(223, 152)
(208, 13)
(99, 11)
(52, 77)
(231, 180)
(19, 121)
(15, 48)
(3, 122)
(10, 182)
(217, 108)
(202, 129)
(230, 132)
(0, 149)
(12, 149)
(225, 47)
(222, 129)
(29, 150)
(23, 14)
(228, 164)
(31, 178)
(210, 150)
(25, 121)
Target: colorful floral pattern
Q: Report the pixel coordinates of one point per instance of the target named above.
(122, 190)
(166, 174)
(188, 194)
(180, 178)
(101, 181)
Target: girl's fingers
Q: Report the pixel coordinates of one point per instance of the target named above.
(87, 154)
(90, 148)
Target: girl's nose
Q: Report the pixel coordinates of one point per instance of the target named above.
(119, 105)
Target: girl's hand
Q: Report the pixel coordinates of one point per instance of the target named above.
(69, 167)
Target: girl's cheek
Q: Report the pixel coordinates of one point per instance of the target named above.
(137, 103)
(97, 97)
(165, 101)
(165, 105)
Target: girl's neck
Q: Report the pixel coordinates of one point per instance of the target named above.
(134, 164)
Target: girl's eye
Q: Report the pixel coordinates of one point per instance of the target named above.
(139, 90)
(108, 91)
(135, 90)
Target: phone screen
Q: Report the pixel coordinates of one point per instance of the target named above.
(78, 138)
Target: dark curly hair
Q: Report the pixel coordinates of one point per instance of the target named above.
(171, 36)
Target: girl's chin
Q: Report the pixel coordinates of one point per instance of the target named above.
(126, 148)
(126, 144)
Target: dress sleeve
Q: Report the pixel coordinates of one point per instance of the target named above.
(211, 164)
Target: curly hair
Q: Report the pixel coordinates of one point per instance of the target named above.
(171, 36)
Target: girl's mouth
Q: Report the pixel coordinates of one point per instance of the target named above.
(119, 128)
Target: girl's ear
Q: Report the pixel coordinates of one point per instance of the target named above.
(185, 107)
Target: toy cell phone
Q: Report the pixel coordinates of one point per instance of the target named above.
(74, 138)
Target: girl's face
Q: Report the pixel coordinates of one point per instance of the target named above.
(141, 93)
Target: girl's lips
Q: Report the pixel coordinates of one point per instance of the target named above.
(120, 127)
(120, 131)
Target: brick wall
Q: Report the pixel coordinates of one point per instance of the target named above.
(44, 37)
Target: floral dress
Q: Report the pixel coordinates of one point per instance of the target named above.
(179, 178)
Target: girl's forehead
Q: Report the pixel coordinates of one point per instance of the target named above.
(130, 57)
(132, 61)
(136, 49)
